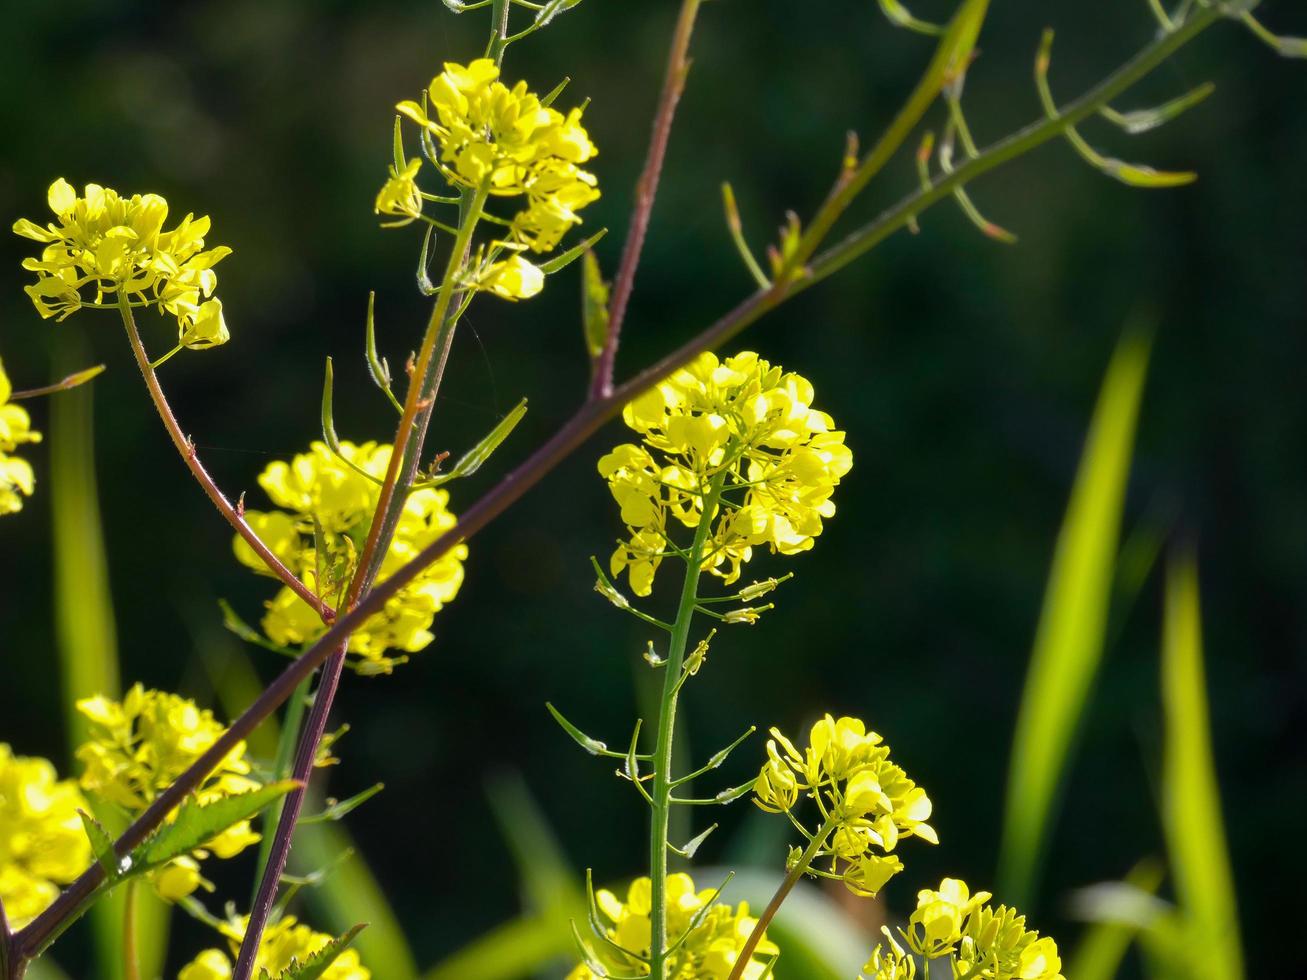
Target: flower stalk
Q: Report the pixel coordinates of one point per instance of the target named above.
(661, 791)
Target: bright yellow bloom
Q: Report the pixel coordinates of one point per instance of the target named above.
(103, 246)
(329, 503)
(508, 140)
(740, 416)
(871, 800)
(514, 278)
(400, 195)
(42, 842)
(984, 942)
(284, 942)
(709, 952)
(16, 477)
(139, 746)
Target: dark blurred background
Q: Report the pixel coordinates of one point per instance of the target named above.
(964, 372)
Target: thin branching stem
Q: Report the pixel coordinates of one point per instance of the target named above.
(190, 457)
(791, 879)
(592, 414)
(646, 191)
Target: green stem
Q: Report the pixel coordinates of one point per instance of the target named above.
(131, 964)
(499, 31)
(281, 770)
(662, 784)
(800, 867)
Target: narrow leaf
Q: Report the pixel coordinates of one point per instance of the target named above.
(560, 262)
(692, 846)
(198, 823)
(1069, 643)
(316, 966)
(232, 622)
(1191, 798)
(472, 460)
(341, 809)
(594, 306)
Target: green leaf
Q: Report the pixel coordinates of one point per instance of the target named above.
(594, 306)
(232, 622)
(551, 886)
(316, 965)
(1143, 120)
(1191, 798)
(1070, 640)
(562, 261)
(340, 809)
(472, 460)
(692, 846)
(198, 823)
(102, 847)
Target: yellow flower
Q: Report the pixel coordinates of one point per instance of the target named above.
(782, 460)
(506, 139)
(935, 928)
(870, 802)
(284, 942)
(514, 278)
(103, 246)
(328, 504)
(42, 842)
(710, 950)
(983, 941)
(139, 746)
(890, 964)
(400, 195)
(16, 477)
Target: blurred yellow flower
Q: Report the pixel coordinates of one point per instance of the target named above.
(514, 278)
(42, 842)
(104, 246)
(138, 746)
(284, 943)
(739, 416)
(400, 195)
(16, 477)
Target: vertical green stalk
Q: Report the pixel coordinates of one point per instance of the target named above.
(662, 784)
(286, 743)
(131, 963)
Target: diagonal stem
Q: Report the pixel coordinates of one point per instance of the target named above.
(646, 190)
(38, 934)
(235, 516)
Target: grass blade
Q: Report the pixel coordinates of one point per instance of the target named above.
(1073, 623)
(85, 631)
(1191, 799)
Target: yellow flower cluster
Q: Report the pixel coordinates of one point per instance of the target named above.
(328, 503)
(869, 800)
(16, 476)
(42, 842)
(509, 142)
(716, 934)
(982, 941)
(742, 420)
(138, 746)
(284, 943)
(104, 246)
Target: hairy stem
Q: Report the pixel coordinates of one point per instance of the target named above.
(281, 769)
(37, 935)
(791, 879)
(646, 191)
(663, 779)
(186, 448)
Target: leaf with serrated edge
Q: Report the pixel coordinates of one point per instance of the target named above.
(198, 823)
(102, 846)
(316, 965)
